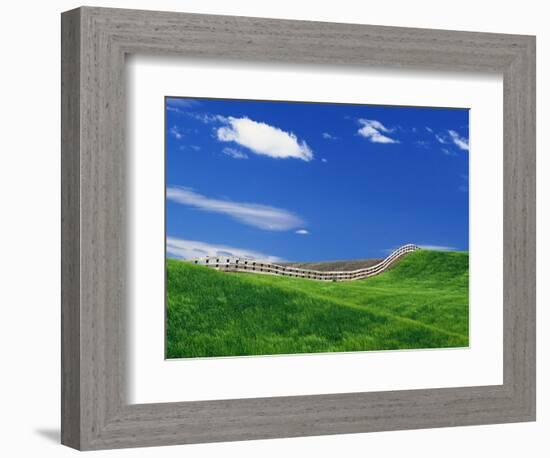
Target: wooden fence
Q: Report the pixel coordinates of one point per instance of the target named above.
(232, 264)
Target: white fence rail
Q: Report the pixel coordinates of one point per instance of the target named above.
(232, 264)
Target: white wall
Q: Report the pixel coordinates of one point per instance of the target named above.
(29, 230)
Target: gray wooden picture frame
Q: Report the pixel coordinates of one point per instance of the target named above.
(95, 412)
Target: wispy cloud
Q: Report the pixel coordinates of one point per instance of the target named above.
(302, 232)
(263, 139)
(374, 131)
(180, 106)
(176, 132)
(257, 215)
(207, 118)
(234, 153)
(328, 136)
(450, 137)
(189, 249)
(324, 160)
(461, 142)
(429, 129)
(441, 139)
(177, 102)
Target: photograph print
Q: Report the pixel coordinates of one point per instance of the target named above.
(301, 227)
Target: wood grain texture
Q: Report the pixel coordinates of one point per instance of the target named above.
(70, 229)
(96, 414)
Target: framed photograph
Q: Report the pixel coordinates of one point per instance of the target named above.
(278, 162)
(278, 228)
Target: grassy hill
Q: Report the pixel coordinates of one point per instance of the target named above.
(422, 302)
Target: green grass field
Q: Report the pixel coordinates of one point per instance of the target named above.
(422, 302)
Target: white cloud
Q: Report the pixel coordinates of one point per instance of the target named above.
(263, 139)
(180, 106)
(372, 130)
(206, 118)
(323, 160)
(459, 141)
(328, 136)
(234, 153)
(437, 247)
(453, 137)
(302, 232)
(189, 249)
(257, 215)
(176, 132)
(179, 102)
(441, 139)
(429, 129)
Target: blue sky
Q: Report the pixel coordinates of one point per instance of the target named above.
(313, 181)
